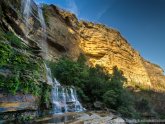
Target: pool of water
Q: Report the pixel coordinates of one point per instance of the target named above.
(58, 118)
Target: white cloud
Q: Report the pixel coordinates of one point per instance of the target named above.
(102, 12)
(110, 5)
(71, 6)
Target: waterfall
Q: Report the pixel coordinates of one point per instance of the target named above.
(27, 14)
(43, 31)
(78, 106)
(26, 8)
(72, 95)
(41, 19)
(48, 75)
(64, 99)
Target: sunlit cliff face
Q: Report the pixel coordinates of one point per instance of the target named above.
(107, 48)
(102, 45)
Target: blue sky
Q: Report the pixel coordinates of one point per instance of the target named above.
(141, 22)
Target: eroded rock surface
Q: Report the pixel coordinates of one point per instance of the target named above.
(67, 36)
(18, 102)
(103, 46)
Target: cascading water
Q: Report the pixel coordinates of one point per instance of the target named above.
(41, 19)
(26, 9)
(27, 6)
(43, 30)
(64, 99)
(48, 75)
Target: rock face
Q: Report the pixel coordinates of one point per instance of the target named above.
(17, 102)
(103, 46)
(156, 75)
(107, 48)
(67, 36)
(13, 107)
(24, 50)
(97, 117)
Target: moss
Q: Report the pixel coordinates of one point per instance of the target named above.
(25, 69)
(15, 41)
(2, 34)
(46, 91)
(5, 53)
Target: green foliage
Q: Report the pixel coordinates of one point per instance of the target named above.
(117, 97)
(94, 84)
(13, 84)
(14, 40)
(110, 98)
(143, 105)
(25, 118)
(82, 59)
(45, 99)
(162, 116)
(24, 69)
(5, 53)
(64, 69)
(10, 84)
(2, 34)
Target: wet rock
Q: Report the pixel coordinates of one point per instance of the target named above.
(77, 122)
(95, 118)
(102, 45)
(15, 117)
(83, 118)
(18, 102)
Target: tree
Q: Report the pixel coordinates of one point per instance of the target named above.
(94, 84)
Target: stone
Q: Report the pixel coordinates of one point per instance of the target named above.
(95, 118)
(103, 46)
(67, 36)
(18, 102)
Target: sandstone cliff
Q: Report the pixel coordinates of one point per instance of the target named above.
(66, 35)
(103, 46)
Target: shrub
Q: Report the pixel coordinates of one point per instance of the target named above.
(143, 105)
(5, 53)
(110, 98)
(24, 69)
(94, 84)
